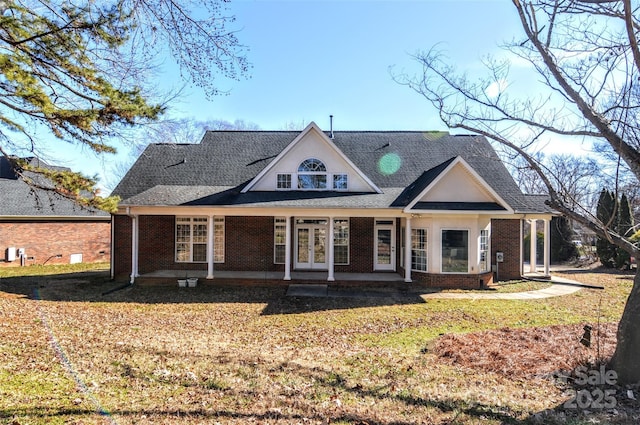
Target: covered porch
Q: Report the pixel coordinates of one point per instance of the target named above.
(222, 277)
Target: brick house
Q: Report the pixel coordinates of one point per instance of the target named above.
(38, 226)
(427, 207)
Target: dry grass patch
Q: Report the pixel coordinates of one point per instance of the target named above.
(250, 355)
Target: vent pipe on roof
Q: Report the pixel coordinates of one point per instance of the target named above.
(331, 125)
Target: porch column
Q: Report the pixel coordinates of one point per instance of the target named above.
(407, 251)
(134, 248)
(533, 241)
(330, 277)
(287, 249)
(547, 247)
(210, 235)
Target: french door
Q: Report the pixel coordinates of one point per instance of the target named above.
(311, 244)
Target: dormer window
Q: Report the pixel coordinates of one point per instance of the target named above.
(312, 175)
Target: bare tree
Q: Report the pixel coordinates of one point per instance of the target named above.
(587, 60)
(83, 71)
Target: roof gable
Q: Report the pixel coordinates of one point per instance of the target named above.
(454, 185)
(312, 143)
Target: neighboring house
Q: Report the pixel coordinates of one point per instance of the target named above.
(38, 226)
(432, 208)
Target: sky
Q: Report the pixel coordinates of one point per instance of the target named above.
(312, 59)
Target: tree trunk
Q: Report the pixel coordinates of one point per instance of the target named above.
(625, 360)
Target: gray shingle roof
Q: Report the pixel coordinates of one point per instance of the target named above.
(18, 199)
(228, 160)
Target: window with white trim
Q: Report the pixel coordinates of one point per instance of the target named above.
(340, 182)
(312, 174)
(283, 181)
(419, 249)
(279, 240)
(341, 241)
(455, 251)
(218, 239)
(191, 239)
(484, 250)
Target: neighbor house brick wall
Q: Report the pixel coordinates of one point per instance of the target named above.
(121, 245)
(505, 237)
(44, 240)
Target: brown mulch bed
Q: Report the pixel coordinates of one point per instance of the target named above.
(527, 352)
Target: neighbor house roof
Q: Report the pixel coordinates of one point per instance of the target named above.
(18, 200)
(215, 171)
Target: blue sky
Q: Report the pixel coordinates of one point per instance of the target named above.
(315, 58)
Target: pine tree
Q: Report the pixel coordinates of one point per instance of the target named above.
(606, 214)
(625, 228)
(562, 249)
(79, 70)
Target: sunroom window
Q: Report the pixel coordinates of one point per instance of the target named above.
(455, 251)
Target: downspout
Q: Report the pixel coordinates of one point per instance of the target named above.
(134, 244)
(111, 261)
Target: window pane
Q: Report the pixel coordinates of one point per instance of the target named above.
(218, 246)
(341, 241)
(284, 181)
(455, 249)
(419, 249)
(182, 252)
(183, 233)
(200, 233)
(312, 165)
(312, 181)
(340, 181)
(341, 254)
(200, 253)
(280, 252)
(279, 240)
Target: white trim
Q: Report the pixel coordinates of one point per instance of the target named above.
(407, 250)
(287, 254)
(210, 256)
(330, 236)
(547, 247)
(312, 126)
(392, 244)
(475, 175)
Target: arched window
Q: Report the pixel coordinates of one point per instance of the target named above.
(312, 174)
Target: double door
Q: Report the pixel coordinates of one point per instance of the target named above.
(311, 244)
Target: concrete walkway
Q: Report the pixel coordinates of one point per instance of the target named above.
(559, 287)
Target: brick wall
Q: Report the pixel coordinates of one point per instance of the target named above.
(360, 246)
(249, 244)
(505, 237)
(457, 281)
(121, 245)
(44, 240)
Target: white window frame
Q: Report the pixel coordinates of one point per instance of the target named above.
(442, 250)
(483, 248)
(344, 176)
(314, 174)
(279, 226)
(191, 222)
(218, 239)
(424, 250)
(283, 181)
(347, 242)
